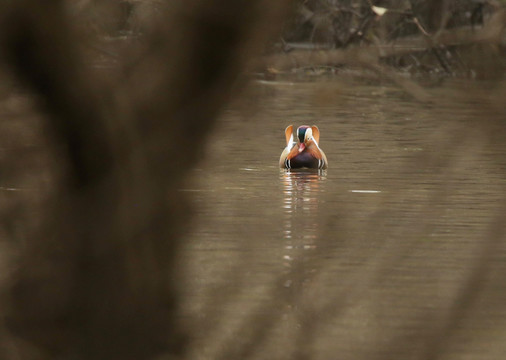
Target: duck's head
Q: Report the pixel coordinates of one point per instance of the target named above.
(305, 136)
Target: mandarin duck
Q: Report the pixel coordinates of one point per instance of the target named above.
(305, 153)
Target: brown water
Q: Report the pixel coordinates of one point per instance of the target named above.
(395, 252)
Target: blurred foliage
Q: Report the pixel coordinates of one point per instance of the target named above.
(97, 91)
(418, 29)
(341, 23)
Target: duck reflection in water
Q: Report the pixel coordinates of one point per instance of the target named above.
(301, 196)
(303, 191)
(305, 152)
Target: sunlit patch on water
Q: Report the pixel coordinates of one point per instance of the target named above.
(275, 83)
(365, 191)
(196, 190)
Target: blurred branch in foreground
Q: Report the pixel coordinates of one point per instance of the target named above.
(96, 280)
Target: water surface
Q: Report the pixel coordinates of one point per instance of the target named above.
(377, 256)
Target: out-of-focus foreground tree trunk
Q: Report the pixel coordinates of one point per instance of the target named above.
(95, 279)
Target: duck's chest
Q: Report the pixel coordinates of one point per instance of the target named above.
(304, 159)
